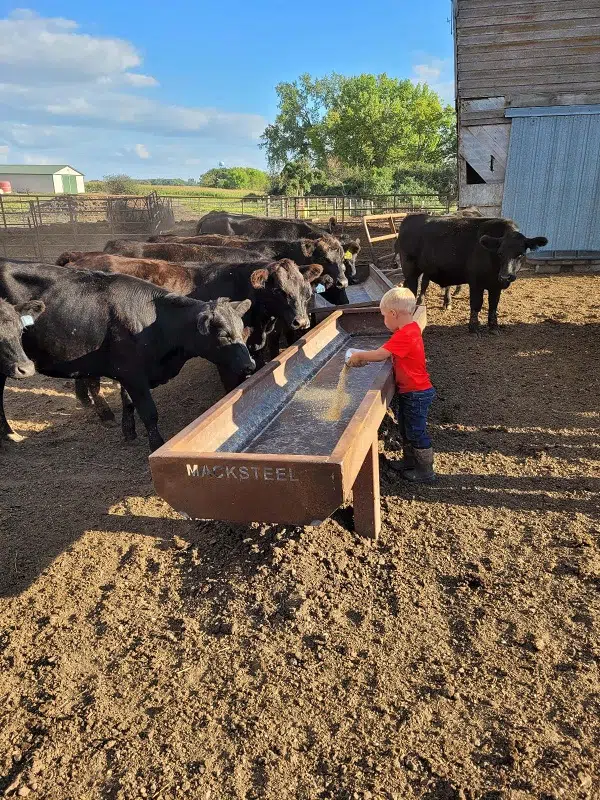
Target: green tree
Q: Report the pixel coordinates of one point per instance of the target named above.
(362, 122)
(120, 184)
(297, 178)
(235, 178)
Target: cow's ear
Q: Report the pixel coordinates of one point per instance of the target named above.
(490, 243)
(537, 241)
(241, 306)
(259, 278)
(203, 321)
(307, 246)
(32, 308)
(311, 272)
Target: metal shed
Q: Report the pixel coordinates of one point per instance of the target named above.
(43, 178)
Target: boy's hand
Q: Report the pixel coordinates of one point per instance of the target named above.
(355, 360)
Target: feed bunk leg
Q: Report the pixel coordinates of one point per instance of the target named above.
(367, 508)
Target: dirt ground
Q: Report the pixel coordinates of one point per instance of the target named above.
(147, 656)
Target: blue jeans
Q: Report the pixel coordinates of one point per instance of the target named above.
(413, 408)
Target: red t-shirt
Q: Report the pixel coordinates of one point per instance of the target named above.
(408, 356)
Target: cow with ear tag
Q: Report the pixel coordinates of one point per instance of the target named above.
(13, 321)
(351, 248)
(14, 363)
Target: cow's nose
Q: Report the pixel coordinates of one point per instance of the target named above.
(342, 283)
(24, 370)
(511, 278)
(296, 323)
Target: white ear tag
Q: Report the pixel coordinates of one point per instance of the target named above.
(26, 321)
(320, 288)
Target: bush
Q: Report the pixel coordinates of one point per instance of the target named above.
(95, 187)
(440, 179)
(120, 184)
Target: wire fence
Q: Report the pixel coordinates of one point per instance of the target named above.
(188, 207)
(41, 227)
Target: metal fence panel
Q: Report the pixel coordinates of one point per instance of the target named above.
(42, 227)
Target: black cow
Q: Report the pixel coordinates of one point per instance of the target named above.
(351, 248)
(484, 252)
(279, 292)
(13, 360)
(325, 251)
(98, 324)
(229, 224)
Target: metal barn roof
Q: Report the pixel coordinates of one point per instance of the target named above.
(33, 169)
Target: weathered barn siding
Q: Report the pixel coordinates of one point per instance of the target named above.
(510, 55)
(525, 51)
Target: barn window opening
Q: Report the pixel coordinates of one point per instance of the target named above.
(472, 175)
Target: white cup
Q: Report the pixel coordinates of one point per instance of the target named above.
(350, 352)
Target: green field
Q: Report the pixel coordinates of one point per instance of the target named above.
(195, 191)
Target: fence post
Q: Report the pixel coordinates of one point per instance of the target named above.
(268, 205)
(37, 242)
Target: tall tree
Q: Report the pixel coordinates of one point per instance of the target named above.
(363, 121)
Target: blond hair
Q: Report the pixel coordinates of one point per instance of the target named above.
(398, 299)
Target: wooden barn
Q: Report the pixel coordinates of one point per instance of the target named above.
(528, 104)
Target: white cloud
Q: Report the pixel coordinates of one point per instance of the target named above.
(438, 74)
(61, 88)
(138, 80)
(46, 49)
(141, 150)
(36, 158)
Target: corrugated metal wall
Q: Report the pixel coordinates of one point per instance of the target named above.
(552, 185)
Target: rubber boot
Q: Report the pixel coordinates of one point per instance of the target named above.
(408, 458)
(423, 469)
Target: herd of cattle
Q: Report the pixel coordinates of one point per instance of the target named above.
(137, 311)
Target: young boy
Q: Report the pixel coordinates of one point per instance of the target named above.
(415, 391)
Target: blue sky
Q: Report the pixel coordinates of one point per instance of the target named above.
(170, 89)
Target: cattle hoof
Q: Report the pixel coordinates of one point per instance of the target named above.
(475, 330)
(447, 308)
(109, 422)
(495, 331)
(129, 439)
